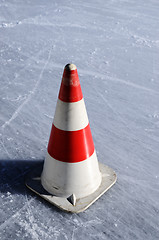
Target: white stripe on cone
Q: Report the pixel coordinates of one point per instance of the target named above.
(70, 116)
(64, 179)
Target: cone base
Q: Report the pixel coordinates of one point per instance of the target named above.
(109, 178)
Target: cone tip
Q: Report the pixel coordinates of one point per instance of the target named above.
(70, 67)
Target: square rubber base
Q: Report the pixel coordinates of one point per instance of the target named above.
(33, 182)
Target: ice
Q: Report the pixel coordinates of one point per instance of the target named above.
(115, 46)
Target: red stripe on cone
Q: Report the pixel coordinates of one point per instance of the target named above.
(71, 146)
(70, 90)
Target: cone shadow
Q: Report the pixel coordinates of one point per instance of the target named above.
(13, 174)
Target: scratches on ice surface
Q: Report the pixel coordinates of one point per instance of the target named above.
(118, 80)
(115, 45)
(5, 149)
(30, 224)
(44, 22)
(10, 24)
(15, 216)
(29, 96)
(134, 85)
(80, 226)
(48, 116)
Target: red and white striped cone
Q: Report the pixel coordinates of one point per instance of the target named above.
(71, 166)
(71, 174)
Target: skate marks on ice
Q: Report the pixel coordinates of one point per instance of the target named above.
(118, 80)
(29, 96)
(16, 211)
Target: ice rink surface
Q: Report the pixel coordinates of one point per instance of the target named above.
(115, 46)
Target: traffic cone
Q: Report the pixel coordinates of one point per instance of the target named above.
(72, 178)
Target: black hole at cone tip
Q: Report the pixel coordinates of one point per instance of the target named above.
(70, 67)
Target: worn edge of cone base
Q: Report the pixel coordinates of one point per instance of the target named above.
(109, 178)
